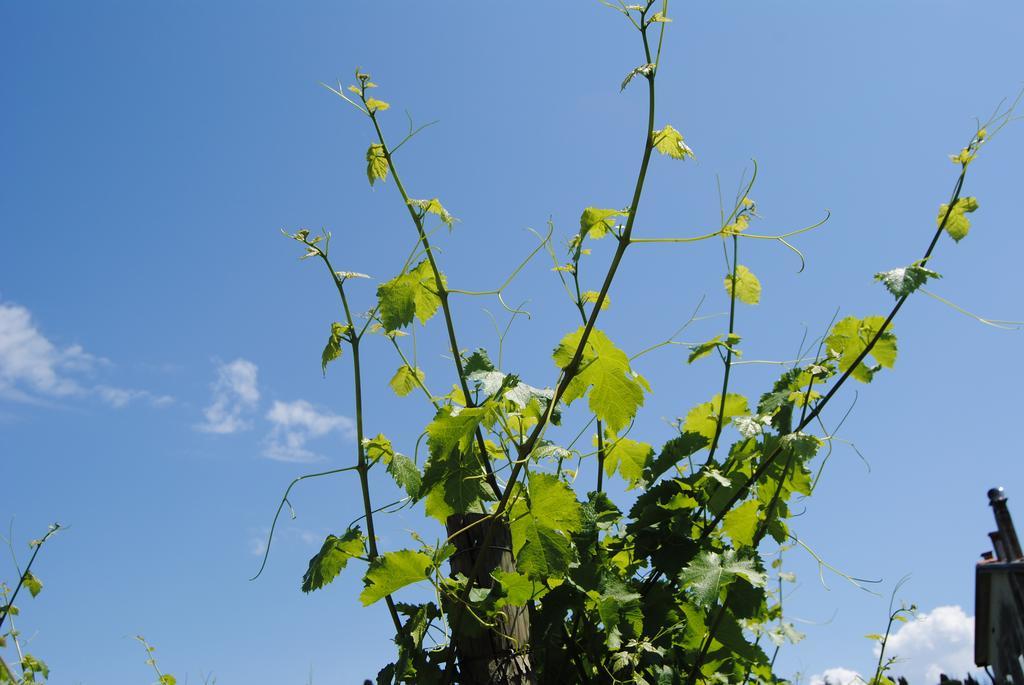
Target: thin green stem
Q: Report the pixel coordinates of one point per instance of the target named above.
(28, 568)
(571, 369)
(442, 294)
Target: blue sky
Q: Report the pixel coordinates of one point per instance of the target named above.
(159, 340)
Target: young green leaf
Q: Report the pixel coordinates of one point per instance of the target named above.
(642, 70)
(402, 469)
(406, 379)
(518, 588)
(453, 480)
(590, 296)
(332, 558)
(393, 571)
(540, 523)
(406, 474)
(905, 280)
(32, 584)
(408, 295)
(669, 141)
(433, 206)
(740, 524)
(615, 392)
(748, 288)
(703, 349)
(333, 348)
(850, 337)
(375, 105)
(703, 419)
(376, 163)
(597, 223)
(957, 225)
(628, 457)
(710, 572)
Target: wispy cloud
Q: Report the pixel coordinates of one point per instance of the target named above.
(296, 423)
(235, 395)
(34, 369)
(122, 397)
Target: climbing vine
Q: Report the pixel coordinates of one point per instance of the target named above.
(676, 587)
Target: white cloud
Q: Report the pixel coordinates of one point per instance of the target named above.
(34, 369)
(936, 642)
(235, 394)
(32, 365)
(295, 423)
(837, 676)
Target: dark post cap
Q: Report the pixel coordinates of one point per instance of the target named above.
(996, 495)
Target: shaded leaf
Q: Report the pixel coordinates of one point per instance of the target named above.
(332, 558)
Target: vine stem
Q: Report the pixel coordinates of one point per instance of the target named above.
(572, 368)
(362, 467)
(21, 581)
(442, 294)
(805, 419)
(767, 462)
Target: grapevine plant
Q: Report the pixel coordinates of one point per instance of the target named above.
(536, 580)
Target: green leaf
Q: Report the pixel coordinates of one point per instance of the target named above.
(703, 349)
(748, 288)
(703, 419)
(711, 572)
(597, 223)
(31, 665)
(453, 479)
(905, 280)
(168, 679)
(615, 392)
(332, 558)
(408, 295)
(850, 337)
(406, 379)
(628, 457)
(540, 523)
(478, 361)
(433, 206)
(376, 164)
(375, 105)
(518, 588)
(674, 451)
(590, 296)
(669, 141)
(642, 70)
(333, 348)
(740, 524)
(393, 571)
(406, 474)
(957, 225)
(32, 584)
